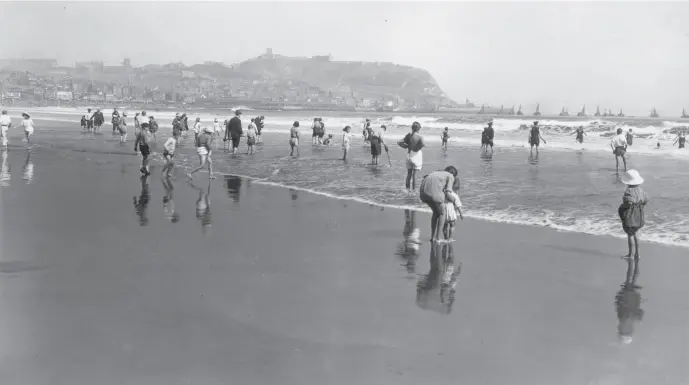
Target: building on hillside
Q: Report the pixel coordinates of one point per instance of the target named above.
(322, 58)
(64, 95)
(187, 74)
(91, 66)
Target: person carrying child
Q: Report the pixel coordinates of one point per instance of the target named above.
(631, 211)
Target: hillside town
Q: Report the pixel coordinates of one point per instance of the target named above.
(42, 82)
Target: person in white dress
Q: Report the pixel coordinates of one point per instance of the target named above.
(5, 124)
(27, 123)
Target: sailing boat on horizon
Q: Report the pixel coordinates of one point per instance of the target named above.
(654, 113)
(597, 114)
(511, 111)
(564, 112)
(482, 110)
(583, 111)
(520, 113)
(620, 115)
(684, 114)
(538, 110)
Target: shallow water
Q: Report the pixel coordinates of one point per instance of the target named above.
(564, 187)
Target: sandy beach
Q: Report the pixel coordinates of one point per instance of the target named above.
(286, 287)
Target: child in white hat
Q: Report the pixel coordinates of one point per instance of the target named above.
(631, 211)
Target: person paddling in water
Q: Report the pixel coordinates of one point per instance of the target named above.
(444, 138)
(630, 137)
(535, 137)
(294, 138)
(619, 148)
(580, 134)
(681, 139)
(142, 144)
(413, 143)
(487, 137)
(377, 144)
(203, 149)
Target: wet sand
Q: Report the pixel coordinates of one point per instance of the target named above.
(286, 287)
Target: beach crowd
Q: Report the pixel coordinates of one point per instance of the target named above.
(438, 189)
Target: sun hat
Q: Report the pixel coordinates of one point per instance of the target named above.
(208, 130)
(535, 122)
(198, 119)
(177, 114)
(632, 178)
(238, 112)
(216, 120)
(27, 116)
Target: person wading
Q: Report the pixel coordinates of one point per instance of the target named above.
(535, 137)
(436, 188)
(413, 143)
(580, 134)
(377, 144)
(487, 138)
(619, 148)
(294, 138)
(234, 131)
(203, 149)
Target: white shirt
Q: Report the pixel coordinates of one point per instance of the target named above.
(170, 145)
(216, 127)
(197, 127)
(27, 124)
(5, 120)
(346, 139)
(619, 141)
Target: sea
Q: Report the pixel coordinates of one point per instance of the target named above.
(567, 186)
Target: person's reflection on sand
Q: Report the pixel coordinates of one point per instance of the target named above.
(203, 206)
(408, 250)
(28, 169)
(5, 174)
(533, 159)
(436, 290)
(169, 211)
(628, 303)
(234, 185)
(294, 194)
(487, 164)
(141, 206)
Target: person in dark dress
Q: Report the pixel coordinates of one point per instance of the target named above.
(535, 137)
(580, 134)
(487, 138)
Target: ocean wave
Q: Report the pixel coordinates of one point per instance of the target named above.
(561, 221)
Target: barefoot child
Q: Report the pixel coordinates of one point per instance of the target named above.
(631, 211)
(445, 137)
(203, 149)
(251, 137)
(453, 206)
(27, 123)
(346, 141)
(141, 144)
(168, 153)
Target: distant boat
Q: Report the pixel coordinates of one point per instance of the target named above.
(583, 111)
(502, 110)
(482, 110)
(511, 112)
(564, 112)
(654, 113)
(608, 113)
(597, 114)
(519, 112)
(538, 110)
(620, 115)
(684, 114)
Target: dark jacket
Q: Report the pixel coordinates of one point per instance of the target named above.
(234, 128)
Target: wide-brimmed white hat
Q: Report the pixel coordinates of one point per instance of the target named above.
(208, 130)
(632, 178)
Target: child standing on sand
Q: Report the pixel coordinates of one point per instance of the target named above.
(453, 206)
(631, 211)
(251, 137)
(346, 141)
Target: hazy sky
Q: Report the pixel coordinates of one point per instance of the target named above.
(621, 54)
